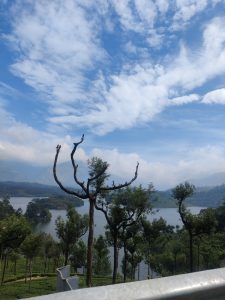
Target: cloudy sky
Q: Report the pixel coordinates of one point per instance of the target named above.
(144, 80)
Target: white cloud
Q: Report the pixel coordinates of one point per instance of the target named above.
(128, 18)
(145, 90)
(186, 9)
(192, 165)
(54, 53)
(18, 141)
(56, 58)
(216, 96)
(184, 99)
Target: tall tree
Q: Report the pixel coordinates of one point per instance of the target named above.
(79, 255)
(6, 208)
(132, 238)
(94, 186)
(35, 213)
(102, 265)
(151, 230)
(70, 231)
(195, 225)
(48, 249)
(125, 209)
(13, 231)
(30, 248)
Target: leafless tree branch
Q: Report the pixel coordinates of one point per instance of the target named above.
(119, 186)
(75, 167)
(68, 191)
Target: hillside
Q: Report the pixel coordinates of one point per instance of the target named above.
(27, 189)
(204, 196)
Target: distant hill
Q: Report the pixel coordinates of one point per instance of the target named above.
(211, 180)
(25, 172)
(204, 196)
(27, 189)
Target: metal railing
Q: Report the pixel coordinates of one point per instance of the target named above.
(207, 285)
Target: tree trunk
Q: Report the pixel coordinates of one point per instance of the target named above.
(30, 272)
(191, 251)
(26, 270)
(66, 257)
(90, 243)
(45, 264)
(175, 263)
(4, 267)
(115, 257)
(198, 256)
(139, 271)
(15, 264)
(148, 260)
(125, 262)
(133, 267)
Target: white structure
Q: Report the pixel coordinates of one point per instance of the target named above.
(65, 282)
(207, 285)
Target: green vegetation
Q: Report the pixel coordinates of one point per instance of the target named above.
(125, 209)
(197, 245)
(101, 261)
(18, 290)
(36, 213)
(26, 189)
(58, 202)
(70, 231)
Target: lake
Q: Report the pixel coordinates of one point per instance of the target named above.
(171, 215)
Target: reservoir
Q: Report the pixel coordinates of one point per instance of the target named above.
(171, 216)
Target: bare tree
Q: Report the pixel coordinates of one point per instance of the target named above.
(91, 189)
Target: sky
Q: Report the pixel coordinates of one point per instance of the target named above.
(144, 80)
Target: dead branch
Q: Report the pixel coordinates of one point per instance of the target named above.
(75, 166)
(68, 191)
(119, 186)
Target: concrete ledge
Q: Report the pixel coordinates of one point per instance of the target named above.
(208, 285)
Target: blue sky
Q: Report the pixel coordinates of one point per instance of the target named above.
(144, 81)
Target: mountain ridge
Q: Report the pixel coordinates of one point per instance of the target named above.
(209, 197)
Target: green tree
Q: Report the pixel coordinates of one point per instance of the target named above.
(48, 249)
(195, 225)
(220, 216)
(91, 190)
(79, 255)
(31, 247)
(70, 231)
(13, 231)
(14, 255)
(151, 231)
(101, 261)
(125, 209)
(35, 213)
(6, 208)
(132, 243)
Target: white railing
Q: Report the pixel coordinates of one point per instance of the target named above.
(207, 285)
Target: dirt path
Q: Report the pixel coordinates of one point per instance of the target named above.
(28, 278)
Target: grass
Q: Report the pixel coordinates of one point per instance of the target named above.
(14, 286)
(41, 286)
(20, 289)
